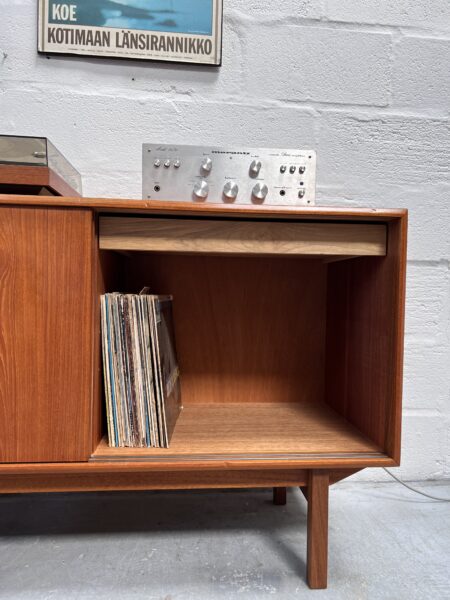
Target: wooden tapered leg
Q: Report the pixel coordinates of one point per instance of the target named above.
(279, 496)
(317, 563)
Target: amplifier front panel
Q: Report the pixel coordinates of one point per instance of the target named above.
(229, 175)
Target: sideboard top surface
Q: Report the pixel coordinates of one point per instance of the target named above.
(158, 207)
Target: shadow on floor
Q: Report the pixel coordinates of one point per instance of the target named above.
(104, 513)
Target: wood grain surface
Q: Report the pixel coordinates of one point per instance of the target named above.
(172, 480)
(35, 177)
(238, 237)
(396, 266)
(339, 462)
(252, 430)
(144, 480)
(193, 209)
(365, 320)
(45, 334)
(317, 563)
(246, 329)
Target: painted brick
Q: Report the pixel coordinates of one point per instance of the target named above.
(428, 305)
(429, 212)
(447, 450)
(311, 9)
(360, 151)
(432, 14)
(426, 377)
(421, 74)
(248, 124)
(319, 64)
(102, 183)
(424, 443)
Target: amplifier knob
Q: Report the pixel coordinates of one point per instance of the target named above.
(201, 189)
(255, 168)
(157, 162)
(260, 191)
(230, 190)
(206, 165)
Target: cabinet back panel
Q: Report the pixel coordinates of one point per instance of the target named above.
(247, 329)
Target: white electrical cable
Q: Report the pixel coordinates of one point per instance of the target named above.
(414, 489)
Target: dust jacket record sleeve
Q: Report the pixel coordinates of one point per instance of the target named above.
(141, 374)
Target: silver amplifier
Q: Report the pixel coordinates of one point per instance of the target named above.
(229, 175)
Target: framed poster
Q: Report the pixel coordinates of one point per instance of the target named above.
(188, 31)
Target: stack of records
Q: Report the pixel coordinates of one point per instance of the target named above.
(142, 383)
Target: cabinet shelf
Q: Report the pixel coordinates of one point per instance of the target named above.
(272, 431)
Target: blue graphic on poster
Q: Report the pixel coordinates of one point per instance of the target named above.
(180, 16)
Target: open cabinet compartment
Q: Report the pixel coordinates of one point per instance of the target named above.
(284, 355)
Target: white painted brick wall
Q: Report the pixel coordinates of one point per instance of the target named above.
(366, 83)
(427, 15)
(421, 75)
(302, 66)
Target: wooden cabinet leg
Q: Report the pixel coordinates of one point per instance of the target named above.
(317, 563)
(279, 496)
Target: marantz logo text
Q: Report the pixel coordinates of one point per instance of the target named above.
(227, 152)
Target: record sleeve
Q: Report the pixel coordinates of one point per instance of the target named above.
(141, 374)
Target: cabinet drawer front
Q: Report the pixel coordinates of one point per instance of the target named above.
(239, 237)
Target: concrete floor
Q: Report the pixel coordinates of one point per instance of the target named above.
(385, 542)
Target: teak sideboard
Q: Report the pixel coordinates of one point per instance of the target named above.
(289, 329)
